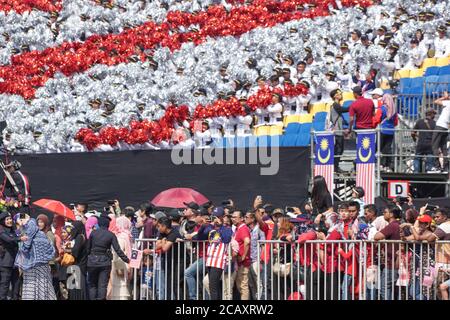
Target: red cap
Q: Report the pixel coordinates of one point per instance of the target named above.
(425, 218)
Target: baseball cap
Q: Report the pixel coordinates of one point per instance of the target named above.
(203, 212)
(278, 211)
(301, 218)
(425, 218)
(218, 212)
(359, 191)
(191, 205)
(92, 213)
(174, 214)
(377, 91)
(158, 215)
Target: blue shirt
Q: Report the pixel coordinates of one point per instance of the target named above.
(387, 126)
(255, 235)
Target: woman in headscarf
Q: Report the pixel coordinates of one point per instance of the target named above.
(91, 225)
(387, 118)
(66, 246)
(35, 253)
(79, 252)
(8, 250)
(100, 256)
(44, 225)
(119, 270)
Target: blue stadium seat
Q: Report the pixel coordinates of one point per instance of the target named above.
(431, 84)
(263, 141)
(241, 142)
(417, 82)
(288, 140)
(346, 117)
(303, 140)
(347, 104)
(275, 141)
(231, 142)
(415, 91)
(431, 71)
(219, 143)
(444, 70)
(404, 83)
(319, 121)
(305, 128)
(293, 128)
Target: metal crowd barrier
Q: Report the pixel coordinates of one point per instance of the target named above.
(314, 270)
(179, 274)
(403, 152)
(355, 270)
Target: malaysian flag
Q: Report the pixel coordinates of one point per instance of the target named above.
(365, 164)
(324, 158)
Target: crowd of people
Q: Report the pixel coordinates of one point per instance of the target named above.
(356, 46)
(208, 251)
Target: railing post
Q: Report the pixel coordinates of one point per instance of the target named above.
(378, 162)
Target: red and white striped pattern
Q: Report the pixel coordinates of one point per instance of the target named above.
(216, 255)
(326, 171)
(365, 178)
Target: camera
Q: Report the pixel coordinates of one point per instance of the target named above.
(111, 202)
(321, 227)
(289, 209)
(431, 207)
(402, 199)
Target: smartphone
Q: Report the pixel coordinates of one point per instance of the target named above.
(111, 202)
(431, 207)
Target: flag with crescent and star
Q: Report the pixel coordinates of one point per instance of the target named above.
(365, 164)
(324, 158)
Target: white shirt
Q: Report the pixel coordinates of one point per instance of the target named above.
(261, 114)
(444, 118)
(378, 224)
(274, 112)
(442, 47)
(345, 81)
(243, 126)
(416, 58)
(302, 102)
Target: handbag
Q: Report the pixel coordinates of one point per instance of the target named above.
(67, 260)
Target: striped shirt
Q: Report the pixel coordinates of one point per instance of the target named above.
(216, 255)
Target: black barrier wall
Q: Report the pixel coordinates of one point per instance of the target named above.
(137, 176)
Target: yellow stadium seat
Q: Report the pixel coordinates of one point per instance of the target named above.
(290, 119)
(306, 118)
(263, 131)
(428, 62)
(318, 107)
(417, 73)
(403, 73)
(348, 96)
(276, 130)
(440, 62)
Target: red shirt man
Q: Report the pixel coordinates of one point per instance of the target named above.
(242, 233)
(362, 109)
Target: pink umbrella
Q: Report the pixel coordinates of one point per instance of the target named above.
(176, 197)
